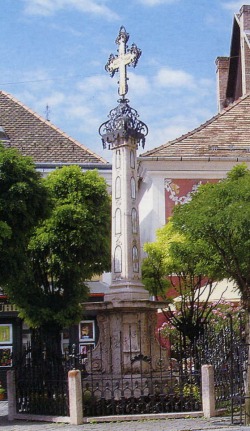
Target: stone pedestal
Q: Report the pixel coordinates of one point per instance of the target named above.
(127, 339)
(124, 291)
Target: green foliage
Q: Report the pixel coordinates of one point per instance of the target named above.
(219, 217)
(54, 235)
(174, 261)
(2, 389)
(66, 249)
(159, 262)
(153, 271)
(192, 390)
(23, 202)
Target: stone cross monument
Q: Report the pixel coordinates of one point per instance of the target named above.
(127, 318)
(123, 133)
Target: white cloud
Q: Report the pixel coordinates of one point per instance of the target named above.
(167, 77)
(138, 84)
(49, 7)
(66, 29)
(53, 100)
(78, 110)
(94, 83)
(171, 103)
(174, 126)
(177, 103)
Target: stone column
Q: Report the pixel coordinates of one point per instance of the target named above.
(208, 392)
(75, 397)
(11, 392)
(126, 261)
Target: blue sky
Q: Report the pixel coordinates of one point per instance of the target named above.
(54, 52)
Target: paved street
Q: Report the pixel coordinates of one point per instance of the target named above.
(188, 424)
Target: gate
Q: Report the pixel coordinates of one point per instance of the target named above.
(227, 351)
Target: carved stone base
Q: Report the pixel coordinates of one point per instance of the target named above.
(127, 340)
(126, 291)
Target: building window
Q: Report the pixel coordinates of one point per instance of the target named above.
(118, 259)
(118, 221)
(132, 182)
(134, 220)
(135, 259)
(118, 187)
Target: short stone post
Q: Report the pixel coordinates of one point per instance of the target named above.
(75, 397)
(11, 393)
(208, 392)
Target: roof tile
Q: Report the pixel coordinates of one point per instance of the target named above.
(38, 138)
(226, 134)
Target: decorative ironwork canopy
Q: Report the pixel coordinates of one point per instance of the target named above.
(123, 123)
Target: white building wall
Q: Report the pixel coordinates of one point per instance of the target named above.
(152, 189)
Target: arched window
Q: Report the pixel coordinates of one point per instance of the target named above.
(118, 187)
(118, 221)
(134, 220)
(118, 159)
(132, 182)
(135, 259)
(132, 159)
(118, 259)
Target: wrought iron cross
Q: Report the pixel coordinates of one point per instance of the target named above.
(126, 57)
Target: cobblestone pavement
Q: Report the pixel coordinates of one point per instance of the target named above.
(188, 424)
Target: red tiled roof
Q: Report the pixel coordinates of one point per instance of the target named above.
(224, 135)
(34, 136)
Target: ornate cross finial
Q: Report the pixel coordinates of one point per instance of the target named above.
(126, 57)
(47, 112)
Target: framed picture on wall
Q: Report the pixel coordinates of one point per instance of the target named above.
(6, 333)
(5, 356)
(87, 330)
(65, 341)
(65, 347)
(85, 348)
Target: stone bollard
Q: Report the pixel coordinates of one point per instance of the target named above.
(11, 393)
(208, 392)
(75, 397)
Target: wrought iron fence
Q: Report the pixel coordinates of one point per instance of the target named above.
(175, 388)
(227, 351)
(41, 384)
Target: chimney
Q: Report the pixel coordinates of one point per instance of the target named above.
(244, 22)
(244, 17)
(222, 70)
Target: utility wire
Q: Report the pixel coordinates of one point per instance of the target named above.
(33, 81)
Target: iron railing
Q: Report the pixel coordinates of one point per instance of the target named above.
(165, 390)
(42, 386)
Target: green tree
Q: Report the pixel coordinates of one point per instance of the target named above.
(66, 249)
(219, 217)
(173, 265)
(23, 202)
